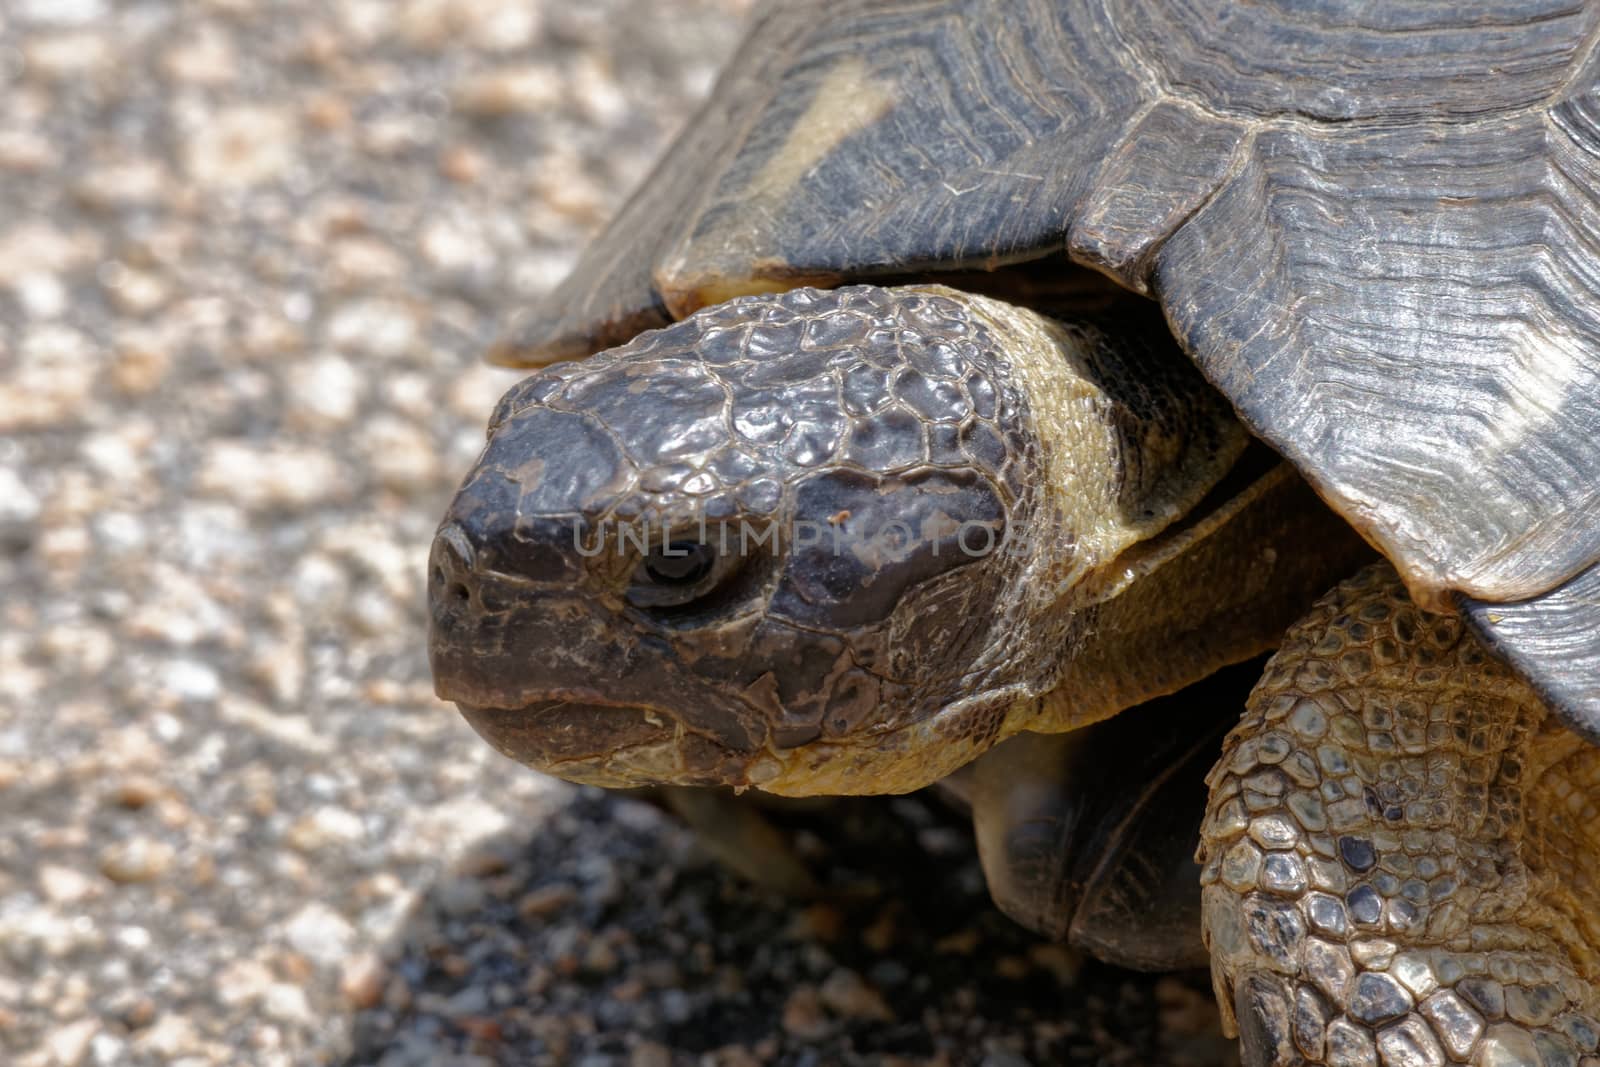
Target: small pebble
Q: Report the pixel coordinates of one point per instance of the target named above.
(847, 995)
(546, 901)
(137, 860)
(803, 1015)
(64, 885)
(650, 1054)
(320, 934)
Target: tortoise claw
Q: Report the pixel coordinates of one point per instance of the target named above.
(1263, 1006)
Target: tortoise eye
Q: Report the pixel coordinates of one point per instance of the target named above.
(681, 563)
(678, 574)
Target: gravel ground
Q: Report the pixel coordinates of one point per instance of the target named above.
(250, 251)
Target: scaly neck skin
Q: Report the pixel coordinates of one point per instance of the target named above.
(1209, 594)
(1162, 550)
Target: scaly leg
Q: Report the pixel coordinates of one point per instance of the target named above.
(1401, 852)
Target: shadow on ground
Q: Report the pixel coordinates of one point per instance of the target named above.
(603, 935)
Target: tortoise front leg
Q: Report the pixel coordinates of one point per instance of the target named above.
(1401, 852)
(1089, 836)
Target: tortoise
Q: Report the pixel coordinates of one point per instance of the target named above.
(1043, 360)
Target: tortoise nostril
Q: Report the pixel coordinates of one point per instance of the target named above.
(451, 573)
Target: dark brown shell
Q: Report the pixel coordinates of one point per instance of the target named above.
(1376, 227)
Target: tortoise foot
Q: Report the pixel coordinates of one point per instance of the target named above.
(1401, 853)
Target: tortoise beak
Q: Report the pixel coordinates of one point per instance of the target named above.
(554, 678)
(611, 745)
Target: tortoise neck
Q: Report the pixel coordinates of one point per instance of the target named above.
(1218, 588)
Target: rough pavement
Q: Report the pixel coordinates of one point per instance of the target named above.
(250, 251)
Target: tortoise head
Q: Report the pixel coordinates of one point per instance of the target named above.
(819, 542)
(766, 545)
